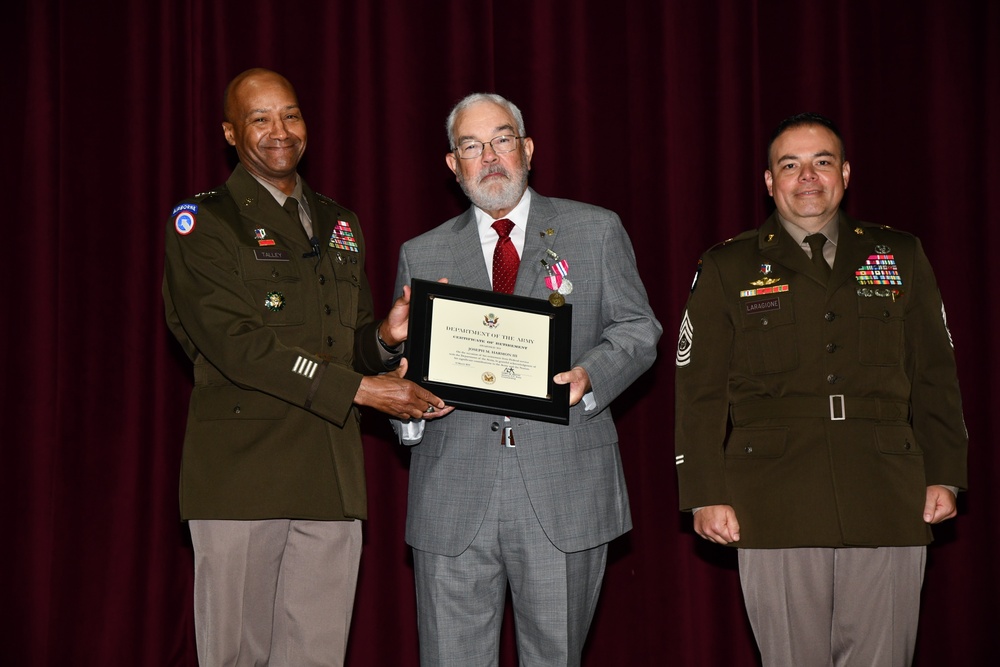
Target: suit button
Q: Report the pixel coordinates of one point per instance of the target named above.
(329, 341)
(831, 378)
(831, 347)
(494, 426)
(829, 317)
(322, 279)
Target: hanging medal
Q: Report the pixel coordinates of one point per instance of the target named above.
(560, 268)
(553, 281)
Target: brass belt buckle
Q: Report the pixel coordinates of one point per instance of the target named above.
(837, 407)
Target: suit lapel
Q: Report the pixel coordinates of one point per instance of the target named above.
(468, 252)
(778, 246)
(853, 248)
(259, 209)
(322, 222)
(251, 198)
(531, 273)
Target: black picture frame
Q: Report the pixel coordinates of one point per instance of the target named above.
(554, 408)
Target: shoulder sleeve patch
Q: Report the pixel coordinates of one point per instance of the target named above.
(186, 206)
(184, 220)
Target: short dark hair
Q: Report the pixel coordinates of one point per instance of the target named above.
(806, 118)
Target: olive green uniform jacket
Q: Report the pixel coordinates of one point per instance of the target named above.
(819, 412)
(279, 344)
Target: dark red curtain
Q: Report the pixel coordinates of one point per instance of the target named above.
(656, 109)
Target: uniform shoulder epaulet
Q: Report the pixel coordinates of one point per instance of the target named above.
(887, 228)
(341, 210)
(191, 203)
(863, 227)
(210, 194)
(749, 234)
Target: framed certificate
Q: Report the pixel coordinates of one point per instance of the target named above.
(489, 351)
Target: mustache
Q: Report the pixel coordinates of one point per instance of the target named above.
(493, 169)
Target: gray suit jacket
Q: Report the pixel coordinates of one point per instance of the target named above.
(573, 473)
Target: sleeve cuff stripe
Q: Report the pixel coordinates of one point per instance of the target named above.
(305, 367)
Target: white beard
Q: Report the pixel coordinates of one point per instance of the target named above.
(491, 198)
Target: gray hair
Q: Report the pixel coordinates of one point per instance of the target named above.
(476, 98)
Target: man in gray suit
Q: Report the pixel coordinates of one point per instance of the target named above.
(495, 499)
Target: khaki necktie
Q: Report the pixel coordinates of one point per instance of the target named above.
(816, 243)
(291, 206)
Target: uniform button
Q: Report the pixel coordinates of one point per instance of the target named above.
(748, 449)
(355, 278)
(831, 347)
(274, 273)
(831, 378)
(329, 341)
(327, 309)
(354, 260)
(494, 426)
(763, 321)
(907, 446)
(829, 317)
(236, 410)
(885, 313)
(322, 279)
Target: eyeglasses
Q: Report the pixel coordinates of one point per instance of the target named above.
(469, 149)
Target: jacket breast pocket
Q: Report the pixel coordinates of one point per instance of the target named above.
(347, 274)
(275, 286)
(881, 331)
(769, 334)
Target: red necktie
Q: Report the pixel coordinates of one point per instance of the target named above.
(505, 259)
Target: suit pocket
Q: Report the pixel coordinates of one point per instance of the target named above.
(595, 433)
(274, 285)
(896, 439)
(769, 335)
(757, 443)
(881, 331)
(347, 283)
(431, 444)
(212, 403)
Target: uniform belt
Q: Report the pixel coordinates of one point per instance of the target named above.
(836, 407)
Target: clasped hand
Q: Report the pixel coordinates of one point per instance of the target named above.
(392, 394)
